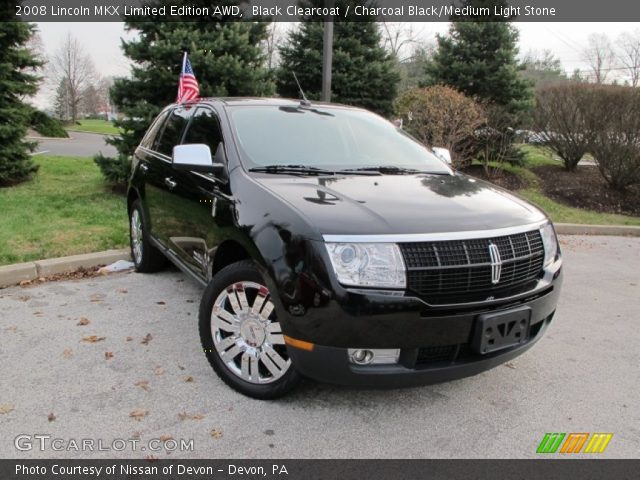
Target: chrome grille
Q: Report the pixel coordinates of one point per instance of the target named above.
(459, 271)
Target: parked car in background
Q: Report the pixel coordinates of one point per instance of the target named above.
(333, 245)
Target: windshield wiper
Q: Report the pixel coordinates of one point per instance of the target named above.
(303, 169)
(390, 170)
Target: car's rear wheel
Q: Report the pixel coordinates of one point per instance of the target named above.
(146, 257)
(241, 335)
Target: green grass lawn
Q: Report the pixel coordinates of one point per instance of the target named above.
(65, 210)
(95, 126)
(563, 214)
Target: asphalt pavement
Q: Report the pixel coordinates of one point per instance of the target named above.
(79, 144)
(140, 374)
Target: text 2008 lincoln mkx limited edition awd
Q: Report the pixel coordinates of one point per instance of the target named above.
(335, 246)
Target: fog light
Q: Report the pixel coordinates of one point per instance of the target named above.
(374, 356)
(362, 357)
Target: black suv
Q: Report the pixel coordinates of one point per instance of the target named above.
(334, 245)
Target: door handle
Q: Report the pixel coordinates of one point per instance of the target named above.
(169, 183)
(144, 168)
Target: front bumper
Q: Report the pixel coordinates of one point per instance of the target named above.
(398, 324)
(332, 365)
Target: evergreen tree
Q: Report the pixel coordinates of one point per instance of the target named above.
(17, 80)
(478, 58)
(225, 54)
(364, 74)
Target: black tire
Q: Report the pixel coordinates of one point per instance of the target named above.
(149, 259)
(243, 271)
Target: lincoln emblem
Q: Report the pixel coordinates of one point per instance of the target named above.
(496, 263)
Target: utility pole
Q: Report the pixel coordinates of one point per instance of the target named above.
(327, 53)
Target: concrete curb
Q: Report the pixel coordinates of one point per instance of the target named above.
(578, 229)
(14, 274)
(48, 138)
(94, 133)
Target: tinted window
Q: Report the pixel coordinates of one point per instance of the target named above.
(204, 128)
(151, 134)
(172, 133)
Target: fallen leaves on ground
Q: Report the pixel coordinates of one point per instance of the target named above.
(510, 365)
(12, 329)
(128, 339)
(51, 417)
(6, 408)
(147, 338)
(92, 339)
(165, 438)
(67, 353)
(24, 298)
(161, 303)
(83, 321)
(188, 379)
(122, 290)
(97, 298)
(108, 355)
(188, 416)
(38, 314)
(143, 384)
(216, 433)
(158, 370)
(138, 414)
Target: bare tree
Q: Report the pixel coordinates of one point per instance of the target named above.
(600, 56)
(629, 45)
(73, 69)
(274, 39)
(564, 119)
(399, 37)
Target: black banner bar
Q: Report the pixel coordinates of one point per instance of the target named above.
(292, 11)
(583, 469)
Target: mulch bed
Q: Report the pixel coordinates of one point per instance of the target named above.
(585, 188)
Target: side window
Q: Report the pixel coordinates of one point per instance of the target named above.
(152, 133)
(172, 133)
(204, 128)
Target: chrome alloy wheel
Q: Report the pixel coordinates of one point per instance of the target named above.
(136, 235)
(246, 334)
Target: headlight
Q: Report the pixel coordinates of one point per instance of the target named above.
(368, 264)
(550, 242)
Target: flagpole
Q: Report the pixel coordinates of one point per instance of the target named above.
(184, 61)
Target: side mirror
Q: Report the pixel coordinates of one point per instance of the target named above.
(196, 157)
(443, 154)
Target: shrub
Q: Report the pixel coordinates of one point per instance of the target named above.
(616, 143)
(440, 116)
(47, 126)
(564, 120)
(495, 141)
(115, 170)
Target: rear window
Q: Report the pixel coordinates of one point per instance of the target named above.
(152, 133)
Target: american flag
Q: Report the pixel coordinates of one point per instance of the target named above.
(188, 85)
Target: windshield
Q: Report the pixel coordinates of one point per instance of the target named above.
(326, 138)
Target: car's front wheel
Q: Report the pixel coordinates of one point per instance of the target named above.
(241, 335)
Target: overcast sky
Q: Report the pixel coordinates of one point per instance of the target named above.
(102, 41)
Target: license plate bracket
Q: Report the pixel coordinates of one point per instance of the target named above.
(500, 330)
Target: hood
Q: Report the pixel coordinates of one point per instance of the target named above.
(400, 204)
